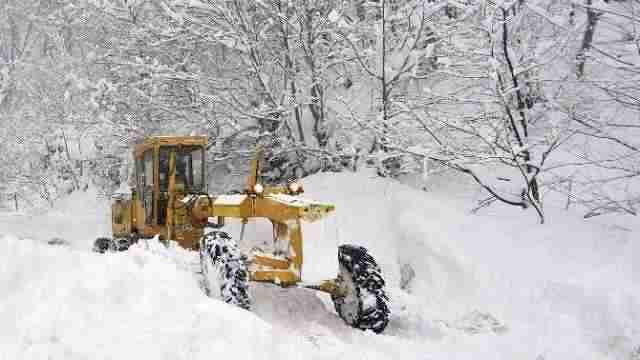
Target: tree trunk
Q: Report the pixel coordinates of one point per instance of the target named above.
(76, 183)
(317, 111)
(521, 134)
(383, 82)
(587, 39)
(316, 106)
(290, 73)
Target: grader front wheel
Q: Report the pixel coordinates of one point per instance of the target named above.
(224, 269)
(360, 299)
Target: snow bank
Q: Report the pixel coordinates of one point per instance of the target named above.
(490, 286)
(564, 290)
(78, 219)
(58, 303)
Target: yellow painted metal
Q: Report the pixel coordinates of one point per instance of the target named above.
(272, 262)
(184, 223)
(138, 212)
(292, 234)
(279, 277)
(121, 217)
(172, 196)
(156, 183)
(295, 241)
(254, 173)
(276, 207)
(241, 209)
(265, 207)
(329, 286)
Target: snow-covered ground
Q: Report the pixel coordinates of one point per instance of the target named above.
(494, 285)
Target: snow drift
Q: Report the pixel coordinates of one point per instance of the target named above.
(489, 286)
(69, 304)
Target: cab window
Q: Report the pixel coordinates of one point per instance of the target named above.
(147, 197)
(197, 162)
(189, 168)
(163, 176)
(140, 177)
(148, 168)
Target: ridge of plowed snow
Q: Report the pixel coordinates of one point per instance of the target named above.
(68, 304)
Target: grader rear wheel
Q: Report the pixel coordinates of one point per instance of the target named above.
(361, 300)
(104, 244)
(224, 269)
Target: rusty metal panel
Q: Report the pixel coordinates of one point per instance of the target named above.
(121, 217)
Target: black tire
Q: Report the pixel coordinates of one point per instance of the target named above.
(361, 301)
(104, 244)
(122, 244)
(222, 264)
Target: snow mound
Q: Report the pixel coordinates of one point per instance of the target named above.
(495, 285)
(564, 290)
(77, 220)
(68, 304)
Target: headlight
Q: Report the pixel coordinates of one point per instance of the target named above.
(294, 187)
(258, 188)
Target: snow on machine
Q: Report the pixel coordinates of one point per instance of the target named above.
(169, 201)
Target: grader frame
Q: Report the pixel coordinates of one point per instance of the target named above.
(169, 201)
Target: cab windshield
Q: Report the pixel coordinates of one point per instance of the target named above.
(189, 168)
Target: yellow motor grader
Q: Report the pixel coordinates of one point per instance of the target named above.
(169, 200)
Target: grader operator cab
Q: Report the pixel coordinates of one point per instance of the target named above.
(169, 200)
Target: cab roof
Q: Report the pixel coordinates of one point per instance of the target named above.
(153, 141)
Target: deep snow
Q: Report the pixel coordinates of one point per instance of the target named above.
(494, 285)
